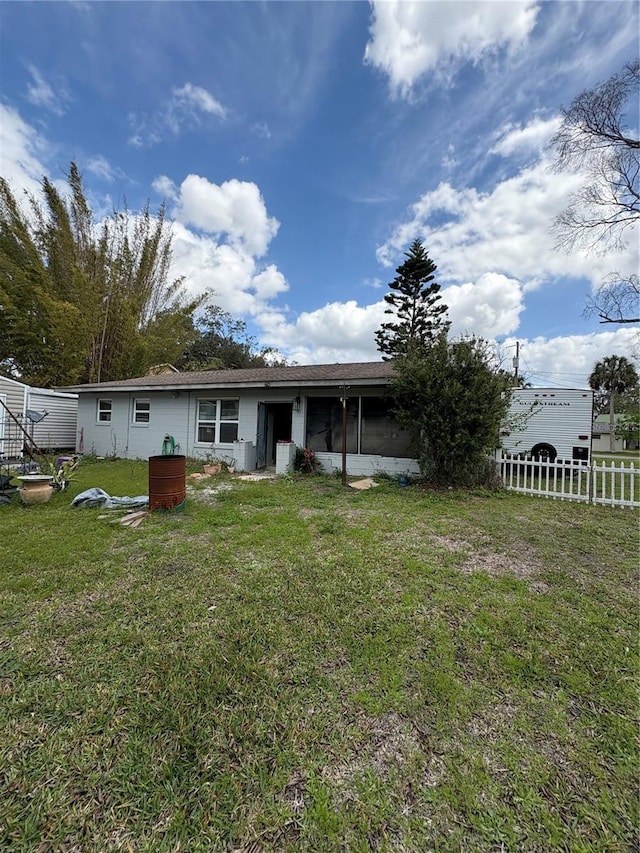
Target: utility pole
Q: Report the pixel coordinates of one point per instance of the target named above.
(516, 364)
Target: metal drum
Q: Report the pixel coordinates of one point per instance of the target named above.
(167, 482)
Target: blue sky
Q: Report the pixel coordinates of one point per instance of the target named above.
(301, 147)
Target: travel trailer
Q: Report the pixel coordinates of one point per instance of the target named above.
(549, 424)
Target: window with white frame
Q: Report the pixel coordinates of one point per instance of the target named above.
(217, 421)
(141, 412)
(103, 411)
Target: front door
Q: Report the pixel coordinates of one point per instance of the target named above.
(274, 425)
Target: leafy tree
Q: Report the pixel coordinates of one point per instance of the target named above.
(39, 340)
(414, 304)
(83, 301)
(595, 139)
(452, 399)
(629, 428)
(614, 376)
(223, 342)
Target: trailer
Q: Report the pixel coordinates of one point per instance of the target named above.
(549, 424)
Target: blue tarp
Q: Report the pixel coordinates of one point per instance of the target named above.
(99, 498)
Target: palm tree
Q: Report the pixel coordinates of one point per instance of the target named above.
(615, 375)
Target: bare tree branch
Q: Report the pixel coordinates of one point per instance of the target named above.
(601, 215)
(617, 300)
(593, 139)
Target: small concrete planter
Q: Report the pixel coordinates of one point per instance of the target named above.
(35, 488)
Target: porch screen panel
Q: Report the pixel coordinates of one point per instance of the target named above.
(381, 434)
(324, 425)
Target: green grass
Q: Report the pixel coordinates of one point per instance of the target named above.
(303, 667)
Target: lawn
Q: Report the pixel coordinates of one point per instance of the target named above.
(289, 665)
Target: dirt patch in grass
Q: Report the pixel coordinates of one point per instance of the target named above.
(309, 512)
(295, 792)
(388, 742)
(353, 517)
(73, 608)
(208, 494)
(501, 725)
(449, 543)
(479, 556)
(498, 565)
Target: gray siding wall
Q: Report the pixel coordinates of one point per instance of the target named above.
(58, 429)
(14, 396)
(168, 414)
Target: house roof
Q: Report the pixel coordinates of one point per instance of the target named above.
(363, 373)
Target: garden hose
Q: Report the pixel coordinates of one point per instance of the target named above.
(168, 445)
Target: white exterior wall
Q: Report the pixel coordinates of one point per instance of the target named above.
(554, 416)
(169, 414)
(365, 465)
(176, 415)
(58, 429)
(602, 443)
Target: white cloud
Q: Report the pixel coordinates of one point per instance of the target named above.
(339, 331)
(23, 152)
(225, 270)
(220, 232)
(506, 230)
(183, 110)
(234, 228)
(567, 361)
(235, 208)
(261, 129)
(532, 137)
(410, 39)
(165, 187)
(42, 93)
(489, 307)
(102, 169)
(269, 283)
(345, 331)
(189, 101)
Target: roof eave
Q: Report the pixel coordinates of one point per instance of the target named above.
(230, 386)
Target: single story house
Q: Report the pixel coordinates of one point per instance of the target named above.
(254, 417)
(48, 417)
(601, 435)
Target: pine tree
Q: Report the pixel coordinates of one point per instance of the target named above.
(414, 304)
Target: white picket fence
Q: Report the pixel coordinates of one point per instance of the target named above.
(597, 482)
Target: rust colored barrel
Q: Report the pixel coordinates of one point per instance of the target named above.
(167, 482)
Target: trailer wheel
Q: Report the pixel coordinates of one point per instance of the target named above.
(544, 453)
